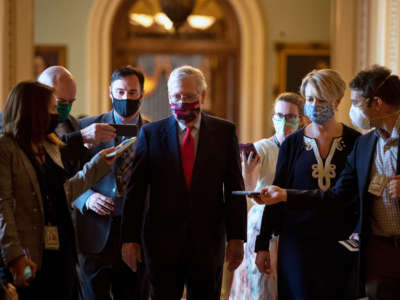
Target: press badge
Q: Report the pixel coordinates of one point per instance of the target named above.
(51, 240)
(377, 185)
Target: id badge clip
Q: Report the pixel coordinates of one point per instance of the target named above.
(51, 238)
(377, 185)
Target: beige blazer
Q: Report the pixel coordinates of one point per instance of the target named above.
(21, 207)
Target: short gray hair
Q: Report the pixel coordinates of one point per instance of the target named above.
(181, 73)
(327, 82)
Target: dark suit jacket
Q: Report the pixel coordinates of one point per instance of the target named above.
(354, 179)
(206, 214)
(93, 229)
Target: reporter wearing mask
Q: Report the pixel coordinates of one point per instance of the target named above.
(258, 171)
(36, 230)
(311, 263)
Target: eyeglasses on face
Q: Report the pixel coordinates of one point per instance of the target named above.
(287, 117)
(184, 98)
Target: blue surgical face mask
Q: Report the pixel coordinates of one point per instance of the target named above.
(319, 114)
(283, 128)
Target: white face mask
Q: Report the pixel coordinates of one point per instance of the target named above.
(359, 119)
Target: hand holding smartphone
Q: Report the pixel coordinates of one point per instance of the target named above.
(247, 149)
(125, 129)
(122, 147)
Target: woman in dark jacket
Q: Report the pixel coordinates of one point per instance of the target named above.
(312, 265)
(37, 240)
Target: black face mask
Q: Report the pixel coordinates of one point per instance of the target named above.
(53, 123)
(124, 107)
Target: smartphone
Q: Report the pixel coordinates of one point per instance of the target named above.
(245, 193)
(247, 149)
(125, 129)
(122, 147)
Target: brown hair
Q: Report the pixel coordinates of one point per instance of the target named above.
(378, 81)
(26, 115)
(292, 98)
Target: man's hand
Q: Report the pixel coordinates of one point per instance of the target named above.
(394, 187)
(98, 133)
(100, 204)
(131, 255)
(234, 254)
(17, 268)
(273, 194)
(263, 262)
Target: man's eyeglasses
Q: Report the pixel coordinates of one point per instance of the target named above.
(183, 98)
(287, 117)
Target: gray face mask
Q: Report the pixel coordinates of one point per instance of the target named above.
(319, 114)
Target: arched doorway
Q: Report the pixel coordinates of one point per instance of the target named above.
(250, 90)
(157, 50)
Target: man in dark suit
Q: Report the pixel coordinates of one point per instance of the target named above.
(98, 223)
(371, 172)
(75, 154)
(189, 164)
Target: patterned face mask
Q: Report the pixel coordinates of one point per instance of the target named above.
(319, 114)
(185, 112)
(283, 128)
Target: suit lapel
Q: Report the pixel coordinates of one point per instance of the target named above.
(54, 152)
(169, 137)
(366, 161)
(32, 177)
(204, 145)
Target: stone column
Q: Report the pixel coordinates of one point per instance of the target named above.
(343, 48)
(16, 44)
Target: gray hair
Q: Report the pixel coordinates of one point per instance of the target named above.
(327, 82)
(181, 73)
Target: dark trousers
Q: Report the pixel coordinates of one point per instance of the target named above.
(202, 278)
(105, 273)
(383, 269)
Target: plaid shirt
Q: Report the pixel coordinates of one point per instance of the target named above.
(385, 209)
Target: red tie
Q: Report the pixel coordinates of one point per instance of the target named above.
(187, 155)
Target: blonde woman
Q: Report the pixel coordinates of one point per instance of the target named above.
(311, 263)
(258, 172)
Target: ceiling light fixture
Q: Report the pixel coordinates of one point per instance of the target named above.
(201, 22)
(141, 19)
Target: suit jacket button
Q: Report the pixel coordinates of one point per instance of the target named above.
(35, 210)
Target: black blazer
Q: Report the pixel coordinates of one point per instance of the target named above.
(354, 179)
(203, 216)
